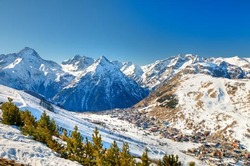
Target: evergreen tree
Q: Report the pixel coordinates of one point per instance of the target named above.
(113, 155)
(11, 114)
(98, 151)
(171, 160)
(29, 122)
(89, 157)
(126, 159)
(97, 140)
(64, 136)
(145, 159)
(54, 145)
(74, 143)
(75, 146)
(45, 129)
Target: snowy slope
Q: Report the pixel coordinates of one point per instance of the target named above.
(204, 103)
(115, 129)
(15, 146)
(153, 74)
(161, 70)
(26, 70)
(101, 86)
(223, 102)
(247, 59)
(106, 85)
(237, 61)
(77, 64)
(132, 71)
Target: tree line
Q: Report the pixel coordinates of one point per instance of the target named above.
(77, 148)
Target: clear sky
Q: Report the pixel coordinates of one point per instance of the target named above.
(140, 31)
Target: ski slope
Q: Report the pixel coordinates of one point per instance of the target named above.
(115, 129)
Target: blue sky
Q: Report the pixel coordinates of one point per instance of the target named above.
(140, 31)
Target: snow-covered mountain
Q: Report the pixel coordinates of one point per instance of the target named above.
(102, 86)
(28, 71)
(152, 75)
(85, 84)
(197, 103)
(161, 70)
(77, 63)
(79, 84)
(131, 70)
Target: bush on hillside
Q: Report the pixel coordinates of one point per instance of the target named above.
(11, 114)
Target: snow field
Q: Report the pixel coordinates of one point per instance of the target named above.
(115, 131)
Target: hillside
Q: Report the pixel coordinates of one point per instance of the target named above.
(15, 146)
(111, 128)
(197, 103)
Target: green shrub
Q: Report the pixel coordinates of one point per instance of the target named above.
(11, 114)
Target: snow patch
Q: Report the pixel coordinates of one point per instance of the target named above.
(12, 65)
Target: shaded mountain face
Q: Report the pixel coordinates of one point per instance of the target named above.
(84, 84)
(101, 85)
(26, 70)
(79, 84)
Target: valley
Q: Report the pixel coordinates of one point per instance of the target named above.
(115, 129)
(193, 107)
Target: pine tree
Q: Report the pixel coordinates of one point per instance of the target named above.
(54, 145)
(145, 159)
(11, 114)
(53, 128)
(45, 129)
(89, 157)
(113, 155)
(29, 122)
(126, 159)
(97, 140)
(98, 151)
(74, 143)
(64, 136)
(75, 146)
(171, 160)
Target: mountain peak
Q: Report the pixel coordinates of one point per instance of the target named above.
(77, 63)
(28, 52)
(78, 59)
(103, 59)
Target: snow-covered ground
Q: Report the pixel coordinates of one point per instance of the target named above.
(116, 129)
(207, 103)
(15, 146)
(222, 102)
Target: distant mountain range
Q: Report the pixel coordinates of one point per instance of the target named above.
(84, 84)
